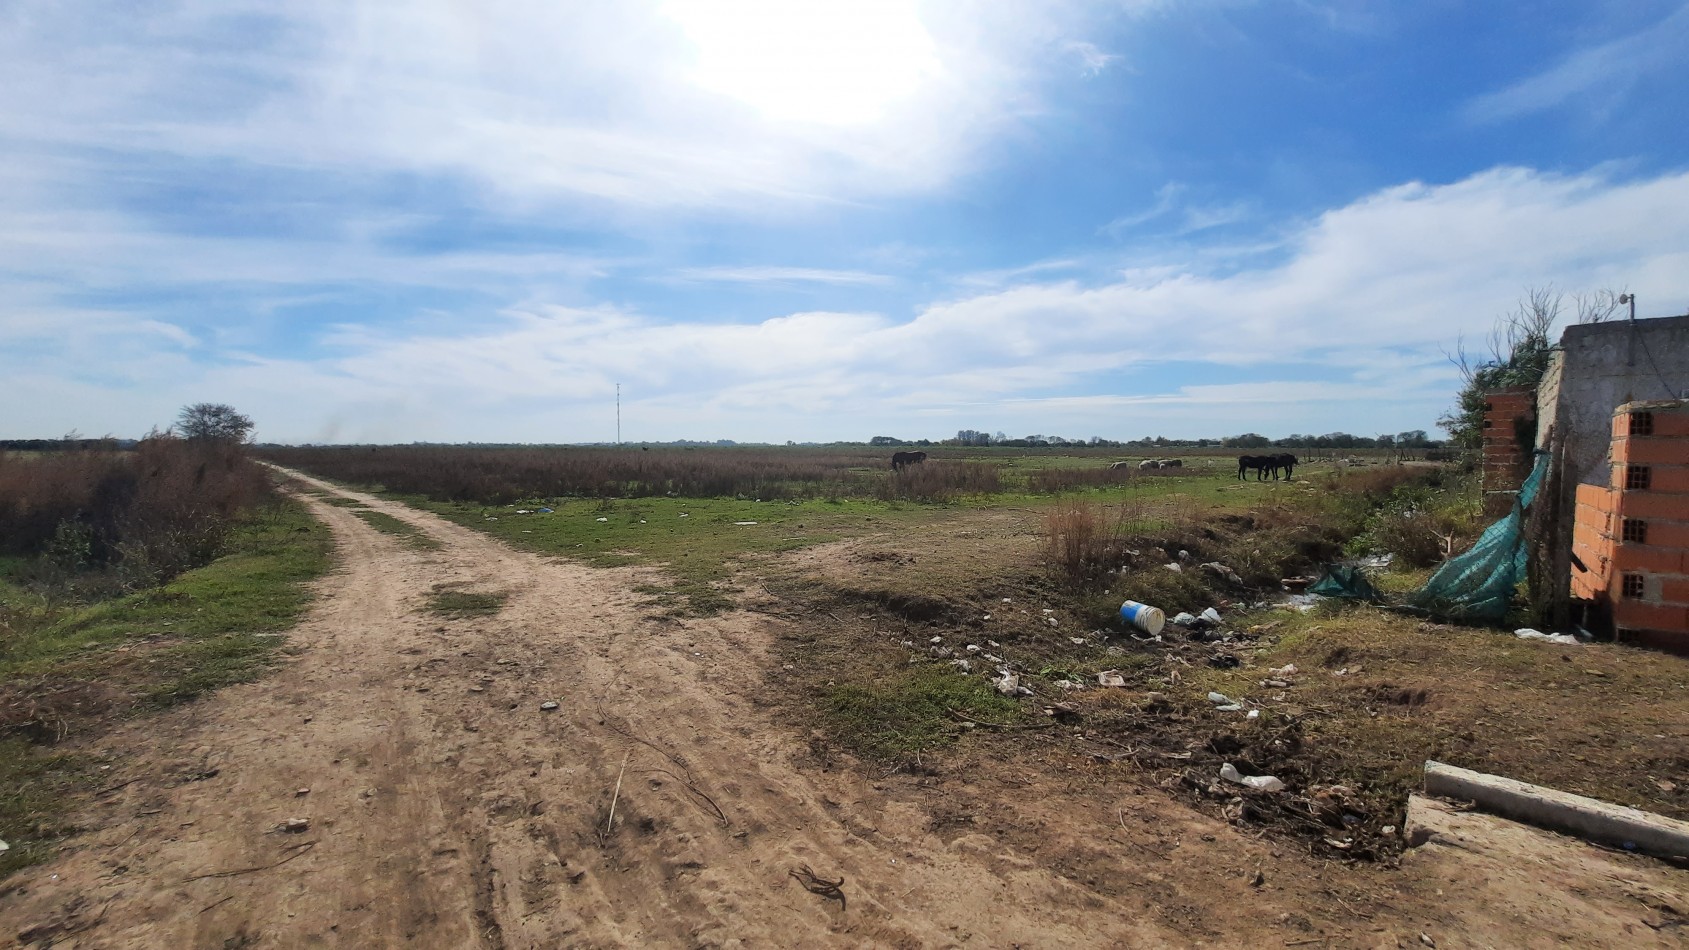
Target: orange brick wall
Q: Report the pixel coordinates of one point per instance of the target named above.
(1660, 614)
(1506, 460)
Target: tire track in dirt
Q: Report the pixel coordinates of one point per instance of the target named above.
(447, 810)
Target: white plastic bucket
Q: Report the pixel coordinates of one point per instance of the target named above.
(1146, 618)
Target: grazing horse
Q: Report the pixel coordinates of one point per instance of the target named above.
(1262, 464)
(900, 459)
(1286, 462)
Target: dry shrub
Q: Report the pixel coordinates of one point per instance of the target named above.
(498, 475)
(1086, 541)
(150, 513)
(1052, 481)
(1416, 538)
(940, 481)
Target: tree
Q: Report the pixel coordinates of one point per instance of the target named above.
(213, 422)
(1248, 440)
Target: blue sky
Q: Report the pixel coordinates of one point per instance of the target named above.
(449, 221)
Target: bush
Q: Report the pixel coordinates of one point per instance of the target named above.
(1084, 541)
(938, 482)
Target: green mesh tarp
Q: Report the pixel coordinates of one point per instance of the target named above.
(1479, 584)
(1344, 580)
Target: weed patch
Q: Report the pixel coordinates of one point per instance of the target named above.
(403, 530)
(911, 712)
(463, 603)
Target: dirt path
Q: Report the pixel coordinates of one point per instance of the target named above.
(447, 809)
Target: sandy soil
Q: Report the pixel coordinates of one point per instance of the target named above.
(445, 808)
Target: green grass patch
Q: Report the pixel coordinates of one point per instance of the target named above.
(209, 627)
(464, 603)
(33, 789)
(403, 530)
(340, 501)
(911, 711)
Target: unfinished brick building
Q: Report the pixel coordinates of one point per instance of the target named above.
(1630, 538)
(1510, 425)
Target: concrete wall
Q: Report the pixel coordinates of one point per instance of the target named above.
(1604, 366)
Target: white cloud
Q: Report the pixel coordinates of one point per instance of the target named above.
(779, 275)
(1604, 69)
(1092, 60)
(1343, 330)
(636, 104)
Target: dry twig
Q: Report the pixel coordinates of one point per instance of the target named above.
(297, 850)
(832, 890)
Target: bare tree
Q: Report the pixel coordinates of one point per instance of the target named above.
(213, 422)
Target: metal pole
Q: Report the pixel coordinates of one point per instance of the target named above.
(618, 413)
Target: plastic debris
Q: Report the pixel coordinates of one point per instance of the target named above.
(1183, 619)
(1229, 707)
(1053, 621)
(744, 523)
(1264, 783)
(1076, 641)
(1218, 699)
(685, 515)
(1289, 669)
(4, 847)
(1564, 639)
(296, 825)
(603, 519)
(1253, 714)
(1008, 684)
(1211, 615)
(965, 666)
(1223, 571)
(1174, 567)
(973, 648)
(1110, 678)
(936, 640)
(543, 511)
(548, 705)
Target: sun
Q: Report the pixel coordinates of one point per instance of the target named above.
(820, 61)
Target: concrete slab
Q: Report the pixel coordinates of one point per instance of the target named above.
(1551, 808)
(1511, 885)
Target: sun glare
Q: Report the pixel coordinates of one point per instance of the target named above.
(814, 61)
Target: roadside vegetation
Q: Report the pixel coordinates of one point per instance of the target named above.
(131, 579)
(968, 607)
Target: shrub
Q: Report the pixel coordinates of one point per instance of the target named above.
(936, 481)
(1084, 541)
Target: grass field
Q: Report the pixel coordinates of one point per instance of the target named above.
(67, 669)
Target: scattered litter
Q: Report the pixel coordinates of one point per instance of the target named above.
(1564, 639)
(1146, 618)
(295, 826)
(1300, 602)
(1223, 571)
(523, 511)
(1184, 555)
(1264, 783)
(685, 515)
(973, 648)
(5, 847)
(1253, 714)
(965, 666)
(1296, 584)
(1289, 669)
(1076, 641)
(1218, 699)
(548, 705)
(543, 511)
(603, 519)
(1068, 685)
(1008, 684)
(1048, 611)
(1110, 678)
(936, 640)
(1224, 661)
(1229, 707)
(301, 792)
(744, 523)
(1184, 619)
(1053, 621)
(987, 617)
(1211, 615)
(1376, 561)
(1174, 567)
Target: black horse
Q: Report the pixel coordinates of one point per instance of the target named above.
(900, 459)
(1262, 464)
(1287, 462)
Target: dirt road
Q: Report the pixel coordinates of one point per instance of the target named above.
(446, 808)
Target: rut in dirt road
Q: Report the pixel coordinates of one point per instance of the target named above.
(447, 809)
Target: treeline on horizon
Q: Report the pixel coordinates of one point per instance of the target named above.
(1412, 439)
